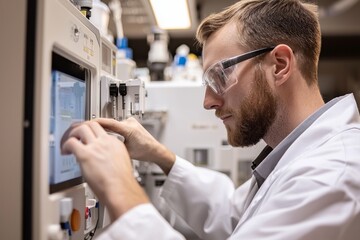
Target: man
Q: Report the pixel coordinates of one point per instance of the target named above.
(260, 62)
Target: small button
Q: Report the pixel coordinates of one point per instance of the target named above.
(75, 33)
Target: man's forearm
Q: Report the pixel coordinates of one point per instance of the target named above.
(165, 160)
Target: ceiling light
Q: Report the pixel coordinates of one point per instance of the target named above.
(171, 14)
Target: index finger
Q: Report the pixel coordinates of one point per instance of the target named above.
(96, 128)
(65, 136)
(112, 125)
(73, 146)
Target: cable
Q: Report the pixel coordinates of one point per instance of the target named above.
(91, 234)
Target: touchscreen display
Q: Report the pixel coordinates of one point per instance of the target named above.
(68, 105)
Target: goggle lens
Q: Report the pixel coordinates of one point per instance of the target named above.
(219, 79)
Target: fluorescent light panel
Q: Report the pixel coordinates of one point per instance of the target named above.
(171, 14)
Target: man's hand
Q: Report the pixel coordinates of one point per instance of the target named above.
(140, 143)
(105, 165)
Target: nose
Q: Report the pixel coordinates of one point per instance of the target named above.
(212, 100)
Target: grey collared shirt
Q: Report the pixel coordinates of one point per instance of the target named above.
(265, 163)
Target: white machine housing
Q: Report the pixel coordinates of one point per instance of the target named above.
(63, 30)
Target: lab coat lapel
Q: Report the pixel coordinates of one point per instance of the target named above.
(252, 192)
(256, 200)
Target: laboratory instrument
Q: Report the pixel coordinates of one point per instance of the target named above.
(64, 63)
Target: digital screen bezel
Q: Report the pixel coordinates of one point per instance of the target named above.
(64, 65)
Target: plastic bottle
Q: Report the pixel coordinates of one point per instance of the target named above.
(125, 65)
(179, 64)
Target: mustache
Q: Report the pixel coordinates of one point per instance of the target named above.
(222, 112)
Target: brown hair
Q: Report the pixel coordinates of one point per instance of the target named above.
(265, 23)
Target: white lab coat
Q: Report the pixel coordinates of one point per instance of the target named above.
(313, 192)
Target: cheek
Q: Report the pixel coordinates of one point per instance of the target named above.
(236, 95)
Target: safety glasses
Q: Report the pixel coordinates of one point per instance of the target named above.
(219, 75)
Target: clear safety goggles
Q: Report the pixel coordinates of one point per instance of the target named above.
(219, 75)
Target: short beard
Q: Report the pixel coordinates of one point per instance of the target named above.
(256, 114)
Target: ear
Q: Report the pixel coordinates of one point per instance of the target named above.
(282, 57)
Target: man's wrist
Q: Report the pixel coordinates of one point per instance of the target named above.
(166, 159)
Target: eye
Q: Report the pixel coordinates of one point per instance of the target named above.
(221, 78)
(204, 82)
